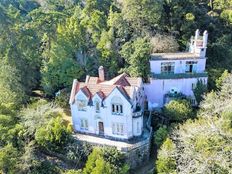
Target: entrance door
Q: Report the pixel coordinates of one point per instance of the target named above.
(101, 128)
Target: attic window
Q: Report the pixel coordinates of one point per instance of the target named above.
(97, 106)
(81, 105)
(117, 106)
(117, 109)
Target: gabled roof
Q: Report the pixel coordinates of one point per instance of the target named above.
(86, 91)
(124, 80)
(118, 80)
(125, 84)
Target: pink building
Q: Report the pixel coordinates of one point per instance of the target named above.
(176, 74)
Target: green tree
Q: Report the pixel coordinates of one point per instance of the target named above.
(142, 16)
(96, 163)
(94, 22)
(77, 152)
(108, 52)
(166, 162)
(11, 89)
(59, 73)
(8, 159)
(178, 110)
(221, 79)
(116, 159)
(54, 135)
(36, 115)
(203, 145)
(107, 161)
(160, 135)
(68, 57)
(136, 54)
(199, 91)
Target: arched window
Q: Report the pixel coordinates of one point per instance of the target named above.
(97, 106)
(81, 103)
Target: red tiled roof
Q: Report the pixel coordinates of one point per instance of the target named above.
(93, 80)
(101, 94)
(86, 91)
(93, 86)
(134, 81)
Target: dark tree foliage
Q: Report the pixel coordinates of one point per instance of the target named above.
(199, 91)
(45, 44)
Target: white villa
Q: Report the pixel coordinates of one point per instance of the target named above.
(113, 109)
(175, 74)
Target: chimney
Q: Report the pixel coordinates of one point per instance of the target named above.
(205, 38)
(87, 79)
(101, 74)
(197, 33)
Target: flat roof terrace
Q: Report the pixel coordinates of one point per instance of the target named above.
(174, 56)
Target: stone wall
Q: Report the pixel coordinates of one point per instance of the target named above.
(137, 153)
(138, 156)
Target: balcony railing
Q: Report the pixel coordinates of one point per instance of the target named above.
(179, 76)
(137, 113)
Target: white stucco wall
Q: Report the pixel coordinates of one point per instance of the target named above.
(137, 122)
(157, 88)
(105, 115)
(180, 65)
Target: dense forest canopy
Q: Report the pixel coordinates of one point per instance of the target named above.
(45, 44)
(51, 42)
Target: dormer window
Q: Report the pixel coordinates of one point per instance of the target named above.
(81, 105)
(191, 67)
(167, 67)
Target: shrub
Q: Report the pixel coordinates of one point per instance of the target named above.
(178, 110)
(54, 135)
(199, 91)
(166, 163)
(160, 135)
(62, 98)
(116, 159)
(106, 161)
(8, 159)
(78, 152)
(45, 167)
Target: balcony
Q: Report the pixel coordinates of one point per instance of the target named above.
(173, 96)
(138, 112)
(179, 76)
